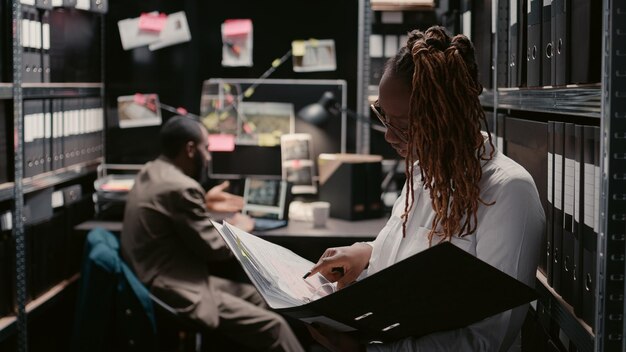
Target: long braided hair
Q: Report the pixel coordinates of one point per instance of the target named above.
(444, 133)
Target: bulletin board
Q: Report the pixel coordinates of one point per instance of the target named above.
(176, 72)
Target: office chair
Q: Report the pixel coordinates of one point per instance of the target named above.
(163, 310)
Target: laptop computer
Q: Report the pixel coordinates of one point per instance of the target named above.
(267, 202)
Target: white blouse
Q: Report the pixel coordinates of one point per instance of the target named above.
(508, 236)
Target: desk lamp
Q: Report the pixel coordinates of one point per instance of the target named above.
(328, 107)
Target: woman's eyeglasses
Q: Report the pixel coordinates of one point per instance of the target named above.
(378, 111)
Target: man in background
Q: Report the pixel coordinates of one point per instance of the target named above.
(169, 242)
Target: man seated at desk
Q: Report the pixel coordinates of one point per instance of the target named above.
(169, 242)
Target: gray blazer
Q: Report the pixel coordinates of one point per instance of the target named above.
(168, 240)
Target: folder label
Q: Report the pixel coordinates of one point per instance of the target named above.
(558, 186)
(569, 186)
(589, 180)
(550, 171)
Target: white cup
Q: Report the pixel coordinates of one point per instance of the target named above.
(321, 212)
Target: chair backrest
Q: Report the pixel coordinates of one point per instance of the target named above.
(114, 310)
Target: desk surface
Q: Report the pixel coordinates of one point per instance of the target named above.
(335, 228)
(298, 236)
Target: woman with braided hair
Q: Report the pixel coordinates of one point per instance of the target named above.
(459, 189)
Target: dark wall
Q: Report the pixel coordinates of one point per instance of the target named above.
(176, 72)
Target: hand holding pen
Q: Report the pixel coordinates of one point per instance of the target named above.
(343, 264)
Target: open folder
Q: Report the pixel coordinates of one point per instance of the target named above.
(441, 288)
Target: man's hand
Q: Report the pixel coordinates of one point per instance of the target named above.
(343, 264)
(219, 201)
(241, 221)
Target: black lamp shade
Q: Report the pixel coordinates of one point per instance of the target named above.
(321, 111)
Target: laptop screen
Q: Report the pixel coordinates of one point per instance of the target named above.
(265, 198)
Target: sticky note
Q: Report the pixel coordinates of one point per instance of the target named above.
(153, 22)
(298, 48)
(221, 142)
(237, 27)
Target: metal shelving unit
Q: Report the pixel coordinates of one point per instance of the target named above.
(605, 101)
(61, 90)
(610, 270)
(18, 91)
(569, 100)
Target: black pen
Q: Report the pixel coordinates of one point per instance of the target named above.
(333, 270)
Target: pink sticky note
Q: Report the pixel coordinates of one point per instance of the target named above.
(237, 27)
(221, 142)
(139, 99)
(153, 22)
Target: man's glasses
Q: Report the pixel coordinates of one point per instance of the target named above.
(378, 111)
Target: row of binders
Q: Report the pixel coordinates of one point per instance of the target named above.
(52, 248)
(61, 132)
(573, 214)
(540, 42)
(39, 31)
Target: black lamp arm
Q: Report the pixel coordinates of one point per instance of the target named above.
(363, 119)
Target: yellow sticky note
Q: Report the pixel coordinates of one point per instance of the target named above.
(267, 139)
(297, 48)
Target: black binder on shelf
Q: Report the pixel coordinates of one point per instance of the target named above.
(45, 46)
(577, 229)
(586, 36)
(550, 210)
(517, 43)
(57, 133)
(558, 214)
(546, 43)
(560, 40)
(7, 260)
(481, 37)
(441, 271)
(591, 155)
(47, 136)
(533, 47)
(502, 29)
(526, 144)
(567, 246)
(33, 137)
(4, 144)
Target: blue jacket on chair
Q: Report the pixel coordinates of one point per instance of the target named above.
(114, 311)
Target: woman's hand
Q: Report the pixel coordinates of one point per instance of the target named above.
(219, 201)
(343, 264)
(334, 340)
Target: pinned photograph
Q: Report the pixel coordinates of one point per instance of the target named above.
(313, 55)
(298, 167)
(263, 123)
(138, 110)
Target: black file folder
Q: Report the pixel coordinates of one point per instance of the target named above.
(57, 134)
(586, 36)
(4, 144)
(558, 214)
(517, 43)
(7, 260)
(526, 143)
(546, 43)
(567, 247)
(425, 289)
(45, 46)
(550, 210)
(591, 155)
(502, 36)
(533, 49)
(481, 37)
(577, 230)
(560, 40)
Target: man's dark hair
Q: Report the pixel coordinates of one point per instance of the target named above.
(176, 132)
